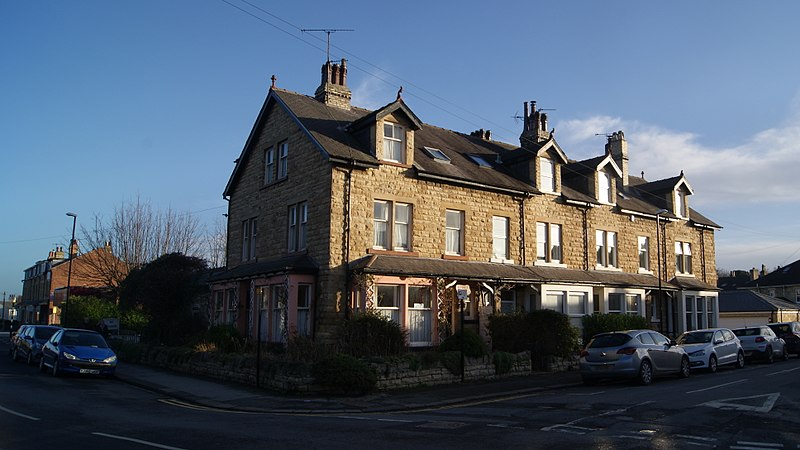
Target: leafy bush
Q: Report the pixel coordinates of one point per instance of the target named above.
(452, 361)
(545, 333)
(422, 360)
(603, 323)
(474, 347)
(86, 311)
(503, 362)
(226, 338)
(344, 374)
(134, 320)
(371, 334)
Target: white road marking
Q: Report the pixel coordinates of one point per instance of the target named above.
(697, 438)
(18, 414)
(138, 441)
(717, 386)
(639, 438)
(783, 371)
(760, 444)
(581, 394)
(178, 403)
(503, 425)
(570, 426)
(395, 420)
(735, 404)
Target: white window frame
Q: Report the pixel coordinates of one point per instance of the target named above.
(500, 227)
(643, 250)
(297, 230)
(269, 165)
(249, 235)
(303, 325)
(683, 258)
(397, 229)
(455, 248)
(547, 175)
(283, 160)
(549, 243)
(680, 203)
(626, 297)
(604, 187)
(394, 143)
(392, 311)
(606, 246)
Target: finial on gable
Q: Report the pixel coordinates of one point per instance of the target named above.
(399, 93)
(273, 78)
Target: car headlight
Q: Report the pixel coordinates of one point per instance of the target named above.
(698, 353)
(69, 355)
(110, 359)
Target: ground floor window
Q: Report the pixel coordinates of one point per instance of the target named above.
(700, 312)
(624, 303)
(410, 305)
(303, 309)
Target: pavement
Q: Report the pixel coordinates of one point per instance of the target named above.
(236, 397)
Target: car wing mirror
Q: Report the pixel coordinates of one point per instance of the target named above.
(672, 343)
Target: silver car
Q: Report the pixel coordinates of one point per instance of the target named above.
(711, 348)
(761, 343)
(637, 354)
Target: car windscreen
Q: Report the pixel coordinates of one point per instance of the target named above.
(43, 333)
(609, 340)
(83, 340)
(702, 337)
(747, 332)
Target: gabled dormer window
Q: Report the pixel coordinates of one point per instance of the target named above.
(603, 187)
(394, 143)
(547, 175)
(680, 203)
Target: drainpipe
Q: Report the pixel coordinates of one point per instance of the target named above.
(585, 213)
(346, 237)
(522, 246)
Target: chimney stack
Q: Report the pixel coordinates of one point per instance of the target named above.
(617, 147)
(73, 249)
(333, 90)
(534, 127)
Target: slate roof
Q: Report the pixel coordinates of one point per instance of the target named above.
(785, 276)
(496, 272)
(300, 263)
(692, 284)
(749, 301)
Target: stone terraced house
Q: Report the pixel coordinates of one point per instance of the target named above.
(334, 209)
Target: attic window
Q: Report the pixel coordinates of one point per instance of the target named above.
(477, 159)
(437, 155)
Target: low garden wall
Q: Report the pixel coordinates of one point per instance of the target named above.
(296, 377)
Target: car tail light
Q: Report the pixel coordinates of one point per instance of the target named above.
(760, 339)
(626, 351)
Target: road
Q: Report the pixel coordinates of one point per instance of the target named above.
(754, 407)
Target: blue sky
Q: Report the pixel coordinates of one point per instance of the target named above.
(102, 101)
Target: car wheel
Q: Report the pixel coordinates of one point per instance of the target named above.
(15, 356)
(645, 373)
(41, 364)
(30, 359)
(685, 369)
(55, 367)
(712, 364)
(740, 360)
(785, 354)
(770, 356)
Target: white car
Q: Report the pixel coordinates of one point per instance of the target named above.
(711, 348)
(761, 343)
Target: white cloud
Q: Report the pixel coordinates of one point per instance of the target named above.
(763, 169)
(372, 93)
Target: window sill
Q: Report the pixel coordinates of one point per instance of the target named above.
(550, 264)
(608, 269)
(455, 257)
(395, 164)
(685, 275)
(645, 271)
(501, 260)
(380, 251)
(273, 183)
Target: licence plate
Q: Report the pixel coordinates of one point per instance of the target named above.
(604, 367)
(90, 371)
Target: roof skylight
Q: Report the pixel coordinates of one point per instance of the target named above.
(479, 160)
(437, 154)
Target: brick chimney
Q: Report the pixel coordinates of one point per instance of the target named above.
(617, 146)
(73, 248)
(333, 90)
(534, 127)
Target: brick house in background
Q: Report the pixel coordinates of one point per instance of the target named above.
(45, 283)
(334, 209)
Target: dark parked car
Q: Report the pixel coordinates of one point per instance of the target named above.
(30, 342)
(15, 339)
(73, 350)
(637, 354)
(790, 333)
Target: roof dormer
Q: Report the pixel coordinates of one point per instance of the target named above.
(596, 177)
(679, 198)
(391, 132)
(545, 168)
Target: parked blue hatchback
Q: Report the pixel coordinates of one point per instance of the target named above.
(78, 351)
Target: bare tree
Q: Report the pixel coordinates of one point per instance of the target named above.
(216, 243)
(133, 236)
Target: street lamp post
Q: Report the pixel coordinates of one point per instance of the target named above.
(658, 255)
(69, 269)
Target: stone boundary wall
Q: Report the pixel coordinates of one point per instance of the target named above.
(295, 378)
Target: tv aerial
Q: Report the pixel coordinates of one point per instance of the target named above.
(328, 32)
